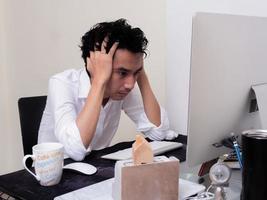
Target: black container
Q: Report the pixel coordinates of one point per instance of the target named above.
(254, 174)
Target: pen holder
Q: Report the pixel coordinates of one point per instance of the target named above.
(158, 180)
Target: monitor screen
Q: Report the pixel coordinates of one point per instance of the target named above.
(228, 56)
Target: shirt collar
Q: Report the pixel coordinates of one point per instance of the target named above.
(84, 84)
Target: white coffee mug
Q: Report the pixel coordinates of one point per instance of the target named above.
(48, 161)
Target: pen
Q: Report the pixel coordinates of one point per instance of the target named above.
(237, 151)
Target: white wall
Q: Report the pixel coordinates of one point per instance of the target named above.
(40, 38)
(179, 24)
(4, 91)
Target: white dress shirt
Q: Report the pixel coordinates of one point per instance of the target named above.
(67, 93)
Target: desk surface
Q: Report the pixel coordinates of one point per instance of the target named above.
(22, 185)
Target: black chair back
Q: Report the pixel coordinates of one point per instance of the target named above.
(30, 114)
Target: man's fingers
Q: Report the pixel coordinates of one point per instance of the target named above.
(92, 55)
(88, 64)
(113, 48)
(104, 45)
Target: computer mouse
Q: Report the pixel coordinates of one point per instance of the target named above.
(81, 167)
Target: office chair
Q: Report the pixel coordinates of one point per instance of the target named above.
(30, 114)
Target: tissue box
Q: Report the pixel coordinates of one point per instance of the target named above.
(157, 181)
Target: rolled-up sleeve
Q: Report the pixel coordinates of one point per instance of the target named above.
(133, 107)
(62, 103)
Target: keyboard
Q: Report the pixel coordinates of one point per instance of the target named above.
(4, 196)
(158, 147)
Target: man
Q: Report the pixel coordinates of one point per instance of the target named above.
(84, 106)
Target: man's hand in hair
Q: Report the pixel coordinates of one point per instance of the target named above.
(100, 63)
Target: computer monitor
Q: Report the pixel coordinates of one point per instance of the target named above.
(228, 56)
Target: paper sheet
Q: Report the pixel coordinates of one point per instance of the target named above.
(98, 191)
(103, 191)
(261, 96)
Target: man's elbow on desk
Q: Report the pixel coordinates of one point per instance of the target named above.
(76, 151)
(70, 137)
(76, 155)
(162, 135)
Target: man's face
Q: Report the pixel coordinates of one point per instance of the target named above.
(125, 70)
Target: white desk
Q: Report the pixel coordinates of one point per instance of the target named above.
(103, 191)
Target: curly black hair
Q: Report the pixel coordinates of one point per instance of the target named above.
(132, 39)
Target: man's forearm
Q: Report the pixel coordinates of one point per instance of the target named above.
(99, 64)
(88, 117)
(151, 106)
